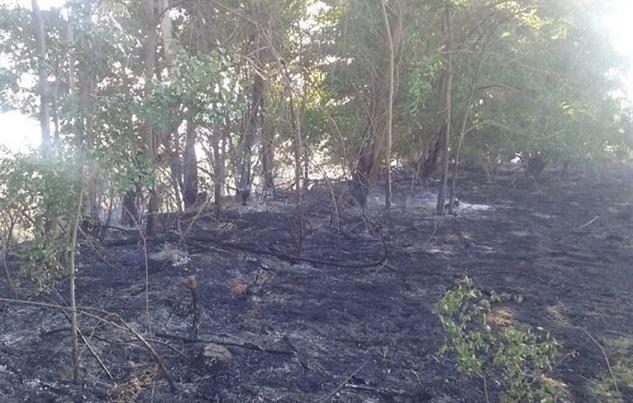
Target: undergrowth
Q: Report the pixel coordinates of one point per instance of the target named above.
(514, 360)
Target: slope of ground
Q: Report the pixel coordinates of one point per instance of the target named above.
(345, 322)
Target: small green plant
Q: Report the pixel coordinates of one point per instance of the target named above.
(42, 194)
(607, 388)
(517, 358)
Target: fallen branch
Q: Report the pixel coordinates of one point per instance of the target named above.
(378, 391)
(90, 348)
(82, 337)
(588, 223)
(342, 384)
(121, 326)
(202, 242)
(226, 342)
(606, 359)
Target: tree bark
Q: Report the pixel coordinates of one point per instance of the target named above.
(129, 209)
(447, 90)
(252, 127)
(389, 123)
(218, 167)
(381, 114)
(166, 32)
(268, 159)
(190, 168)
(44, 91)
(466, 117)
(170, 140)
(72, 251)
(298, 153)
(149, 141)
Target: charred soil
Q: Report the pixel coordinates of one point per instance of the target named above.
(239, 315)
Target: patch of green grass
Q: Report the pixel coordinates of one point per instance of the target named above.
(609, 386)
(604, 389)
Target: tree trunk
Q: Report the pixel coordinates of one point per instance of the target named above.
(458, 151)
(166, 32)
(176, 163)
(190, 168)
(149, 58)
(129, 209)
(389, 123)
(466, 117)
(428, 159)
(72, 251)
(175, 169)
(298, 153)
(448, 111)
(44, 91)
(306, 165)
(268, 160)
(381, 120)
(252, 127)
(218, 167)
(86, 102)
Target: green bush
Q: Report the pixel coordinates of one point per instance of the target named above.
(517, 358)
(42, 194)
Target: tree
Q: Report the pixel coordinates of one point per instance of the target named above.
(42, 70)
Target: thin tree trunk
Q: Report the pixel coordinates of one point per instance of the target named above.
(306, 165)
(175, 169)
(85, 103)
(5, 250)
(448, 111)
(129, 213)
(218, 162)
(466, 118)
(149, 57)
(389, 123)
(72, 286)
(298, 153)
(166, 32)
(44, 91)
(177, 164)
(268, 159)
(458, 151)
(190, 168)
(252, 127)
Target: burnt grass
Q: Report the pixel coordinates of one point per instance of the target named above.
(339, 324)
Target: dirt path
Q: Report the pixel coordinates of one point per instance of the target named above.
(355, 334)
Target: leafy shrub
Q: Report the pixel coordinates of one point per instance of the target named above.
(516, 357)
(42, 195)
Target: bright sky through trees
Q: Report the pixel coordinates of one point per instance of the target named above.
(621, 32)
(22, 132)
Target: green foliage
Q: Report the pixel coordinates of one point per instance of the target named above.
(193, 92)
(604, 389)
(42, 194)
(518, 358)
(420, 83)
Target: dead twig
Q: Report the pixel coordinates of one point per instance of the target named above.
(203, 243)
(122, 325)
(588, 223)
(343, 384)
(226, 342)
(92, 351)
(606, 360)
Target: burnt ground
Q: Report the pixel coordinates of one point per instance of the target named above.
(329, 329)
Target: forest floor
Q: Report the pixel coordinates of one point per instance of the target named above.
(342, 323)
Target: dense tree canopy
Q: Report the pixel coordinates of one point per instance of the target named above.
(173, 99)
